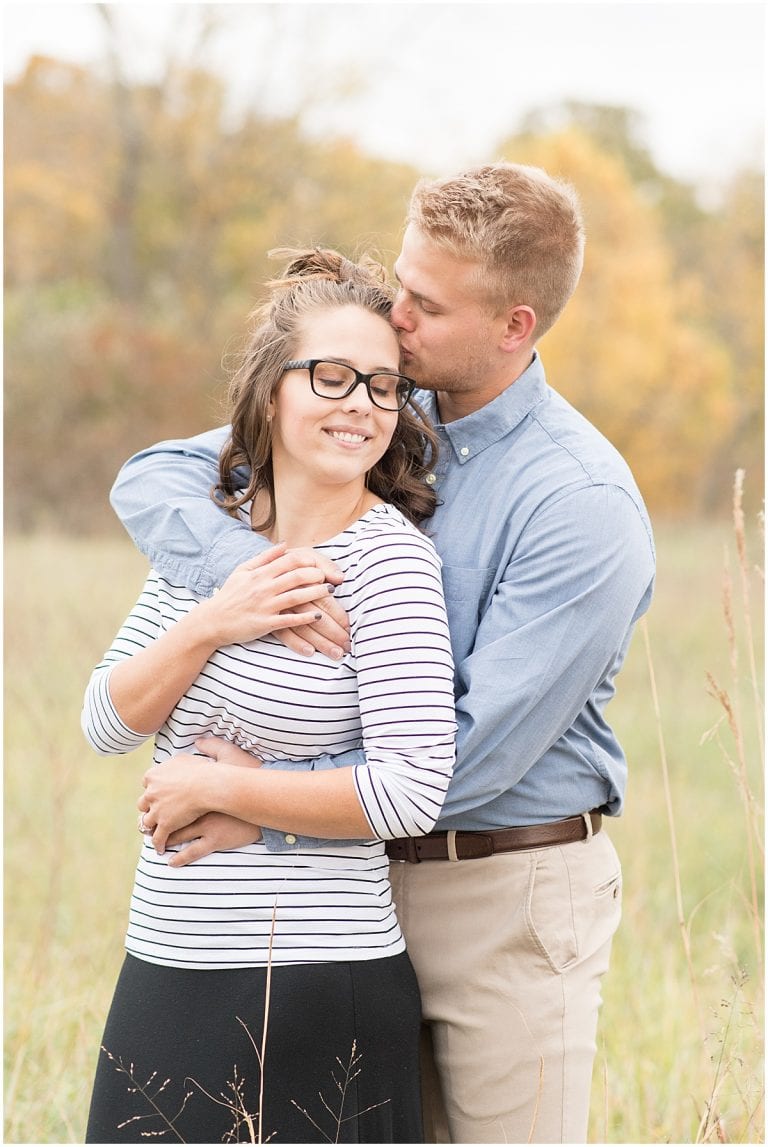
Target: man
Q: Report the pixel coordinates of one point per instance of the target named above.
(509, 908)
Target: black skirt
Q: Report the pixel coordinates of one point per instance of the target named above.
(181, 1055)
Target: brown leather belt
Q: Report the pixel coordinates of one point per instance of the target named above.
(473, 845)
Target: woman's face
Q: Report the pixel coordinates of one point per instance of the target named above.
(335, 441)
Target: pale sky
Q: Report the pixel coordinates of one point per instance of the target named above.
(445, 83)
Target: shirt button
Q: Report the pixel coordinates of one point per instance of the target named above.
(464, 451)
(289, 838)
(431, 479)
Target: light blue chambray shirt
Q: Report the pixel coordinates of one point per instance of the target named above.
(548, 562)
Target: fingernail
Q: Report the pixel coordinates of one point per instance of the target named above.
(318, 615)
(308, 650)
(331, 588)
(337, 653)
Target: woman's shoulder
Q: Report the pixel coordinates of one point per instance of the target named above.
(385, 528)
(384, 519)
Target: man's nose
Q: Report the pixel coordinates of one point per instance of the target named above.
(401, 316)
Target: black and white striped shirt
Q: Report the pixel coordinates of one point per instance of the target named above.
(392, 695)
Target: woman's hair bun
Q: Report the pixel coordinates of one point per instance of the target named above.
(324, 263)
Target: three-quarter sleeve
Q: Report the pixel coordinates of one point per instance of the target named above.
(100, 720)
(401, 647)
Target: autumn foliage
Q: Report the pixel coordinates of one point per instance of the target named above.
(137, 221)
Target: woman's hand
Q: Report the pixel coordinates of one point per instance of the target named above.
(267, 593)
(178, 793)
(329, 634)
(276, 590)
(175, 795)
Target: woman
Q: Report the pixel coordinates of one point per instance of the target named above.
(270, 994)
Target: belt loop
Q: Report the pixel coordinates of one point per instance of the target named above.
(588, 822)
(450, 840)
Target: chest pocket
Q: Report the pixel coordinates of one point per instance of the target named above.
(467, 591)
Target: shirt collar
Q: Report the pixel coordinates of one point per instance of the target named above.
(470, 435)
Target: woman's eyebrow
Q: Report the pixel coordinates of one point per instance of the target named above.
(348, 362)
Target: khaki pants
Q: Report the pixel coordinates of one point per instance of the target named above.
(509, 952)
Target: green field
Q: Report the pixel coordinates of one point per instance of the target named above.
(680, 1043)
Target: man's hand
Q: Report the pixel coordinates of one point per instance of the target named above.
(329, 635)
(213, 832)
(220, 749)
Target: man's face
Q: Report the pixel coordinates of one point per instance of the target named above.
(449, 338)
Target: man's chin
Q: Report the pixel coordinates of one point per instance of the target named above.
(412, 370)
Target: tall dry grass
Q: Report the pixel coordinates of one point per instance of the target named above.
(680, 1042)
(681, 1057)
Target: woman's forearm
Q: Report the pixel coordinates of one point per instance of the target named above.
(320, 804)
(145, 687)
(265, 594)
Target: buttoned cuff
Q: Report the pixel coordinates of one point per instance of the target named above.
(278, 841)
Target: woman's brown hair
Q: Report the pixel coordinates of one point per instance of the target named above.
(315, 279)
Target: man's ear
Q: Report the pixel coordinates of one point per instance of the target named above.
(520, 323)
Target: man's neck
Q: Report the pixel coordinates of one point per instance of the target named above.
(456, 404)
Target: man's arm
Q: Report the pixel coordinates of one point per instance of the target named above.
(579, 577)
(163, 498)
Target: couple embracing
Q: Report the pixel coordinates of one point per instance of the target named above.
(386, 609)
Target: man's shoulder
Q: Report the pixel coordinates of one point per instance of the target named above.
(579, 445)
(556, 461)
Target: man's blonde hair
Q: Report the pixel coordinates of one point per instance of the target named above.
(523, 226)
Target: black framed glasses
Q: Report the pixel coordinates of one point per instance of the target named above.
(387, 390)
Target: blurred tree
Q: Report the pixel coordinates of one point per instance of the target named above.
(58, 139)
(649, 347)
(732, 303)
(126, 276)
(615, 129)
(619, 131)
(139, 215)
(122, 270)
(625, 351)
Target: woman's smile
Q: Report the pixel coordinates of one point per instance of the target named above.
(347, 436)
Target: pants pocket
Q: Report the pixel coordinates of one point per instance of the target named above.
(574, 901)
